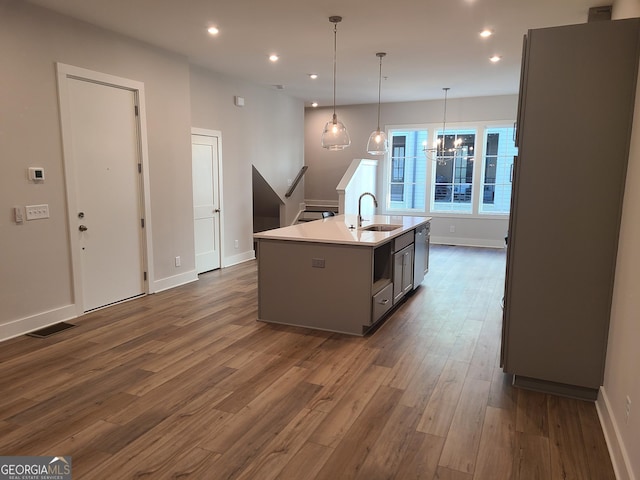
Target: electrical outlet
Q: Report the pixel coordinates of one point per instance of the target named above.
(627, 409)
(236, 244)
(452, 229)
(177, 261)
(35, 212)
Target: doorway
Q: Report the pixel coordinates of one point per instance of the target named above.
(205, 156)
(101, 130)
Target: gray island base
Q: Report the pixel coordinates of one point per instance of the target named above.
(330, 275)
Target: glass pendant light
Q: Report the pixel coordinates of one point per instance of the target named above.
(335, 135)
(377, 144)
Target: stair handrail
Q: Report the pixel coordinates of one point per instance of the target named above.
(296, 181)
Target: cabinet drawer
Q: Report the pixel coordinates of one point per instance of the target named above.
(403, 240)
(382, 302)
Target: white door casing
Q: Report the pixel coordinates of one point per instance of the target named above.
(205, 147)
(104, 157)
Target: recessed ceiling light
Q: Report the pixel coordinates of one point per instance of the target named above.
(314, 104)
(213, 30)
(313, 76)
(495, 58)
(486, 33)
(273, 57)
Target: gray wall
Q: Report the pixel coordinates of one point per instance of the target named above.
(621, 379)
(35, 258)
(267, 132)
(326, 168)
(35, 273)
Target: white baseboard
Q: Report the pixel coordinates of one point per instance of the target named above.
(21, 326)
(467, 242)
(18, 327)
(324, 203)
(617, 451)
(174, 281)
(239, 258)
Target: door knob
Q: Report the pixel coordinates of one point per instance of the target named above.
(217, 210)
(82, 228)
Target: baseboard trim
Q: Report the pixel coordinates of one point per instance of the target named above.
(326, 203)
(40, 320)
(174, 281)
(467, 242)
(240, 258)
(617, 450)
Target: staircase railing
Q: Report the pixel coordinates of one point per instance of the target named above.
(296, 181)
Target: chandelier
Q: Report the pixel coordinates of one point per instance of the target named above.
(442, 152)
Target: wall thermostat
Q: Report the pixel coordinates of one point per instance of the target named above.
(36, 174)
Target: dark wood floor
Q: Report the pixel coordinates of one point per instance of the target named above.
(186, 383)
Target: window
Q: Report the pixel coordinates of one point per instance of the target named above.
(397, 168)
(407, 171)
(498, 170)
(472, 177)
(452, 183)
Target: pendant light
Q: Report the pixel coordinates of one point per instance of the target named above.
(335, 135)
(439, 152)
(377, 144)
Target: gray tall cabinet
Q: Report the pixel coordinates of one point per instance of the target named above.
(575, 113)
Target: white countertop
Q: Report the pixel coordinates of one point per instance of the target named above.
(337, 230)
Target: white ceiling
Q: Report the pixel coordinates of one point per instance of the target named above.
(430, 44)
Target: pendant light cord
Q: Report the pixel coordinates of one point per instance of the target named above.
(335, 48)
(379, 87)
(444, 119)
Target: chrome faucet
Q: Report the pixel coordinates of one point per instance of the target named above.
(375, 204)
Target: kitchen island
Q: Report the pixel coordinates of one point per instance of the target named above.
(332, 275)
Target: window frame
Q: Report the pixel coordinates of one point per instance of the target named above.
(432, 129)
(409, 186)
(497, 185)
(457, 167)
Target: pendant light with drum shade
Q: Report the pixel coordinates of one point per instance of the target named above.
(377, 144)
(335, 135)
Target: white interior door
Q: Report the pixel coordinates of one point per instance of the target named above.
(105, 150)
(206, 201)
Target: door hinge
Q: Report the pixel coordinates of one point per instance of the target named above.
(135, 109)
(145, 276)
(139, 168)
(142, 222)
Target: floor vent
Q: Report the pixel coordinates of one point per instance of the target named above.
(50, 330)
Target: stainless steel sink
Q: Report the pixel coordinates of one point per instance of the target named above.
(385, 227)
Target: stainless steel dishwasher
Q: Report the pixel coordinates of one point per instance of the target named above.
(421, 253)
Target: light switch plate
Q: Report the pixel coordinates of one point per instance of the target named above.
(35, 212)
(17, 214)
